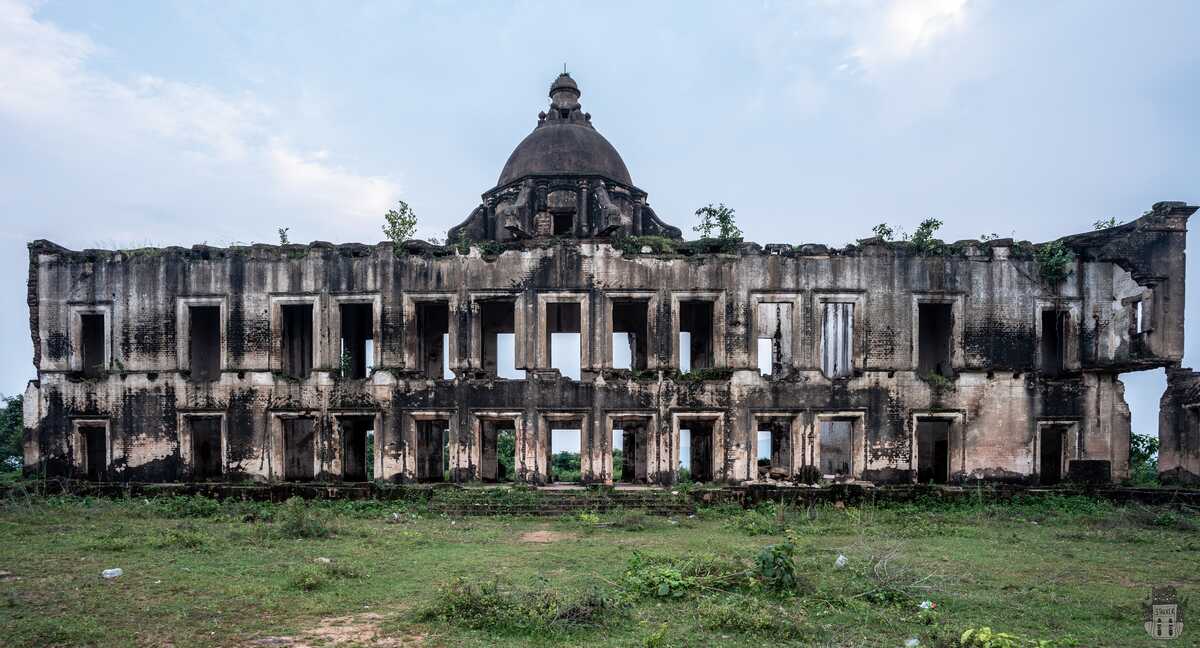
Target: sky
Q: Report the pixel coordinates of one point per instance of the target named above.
(126, 124)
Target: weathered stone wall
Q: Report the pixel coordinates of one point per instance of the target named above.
(996, 402)
(1179, 429)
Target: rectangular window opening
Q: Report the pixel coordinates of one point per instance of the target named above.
(563, 326)
(935, 324)
(358, 447)
(933, 451)
(207, 460)
(92, 344)
(297, 339)
(433, 437)
(837, 339)
(433, 340)
(1054, 347)
(1139, 323)
(498, 340)
(695, 335)
(299, 448)
(498, 450)
(564, 223)
(774, 324)
(630, 336)
(358, 340)
(204, 344)
(566, 451)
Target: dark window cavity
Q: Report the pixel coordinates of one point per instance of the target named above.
(204, 343)
(630, 340)
(358, 344)
(433, 340)
(695, 335)
(299, 448)
(935, 324)
(837, 339)
(297, 339)
(92, 344)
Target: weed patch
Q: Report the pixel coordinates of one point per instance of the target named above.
(498, 607)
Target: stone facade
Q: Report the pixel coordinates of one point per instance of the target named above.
(876, 361)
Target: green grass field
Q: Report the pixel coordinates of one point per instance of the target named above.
(1066, 570)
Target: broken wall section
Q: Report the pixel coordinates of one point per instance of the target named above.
(1179, 429)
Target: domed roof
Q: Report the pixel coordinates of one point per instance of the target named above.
(564, 149)
(564, 143)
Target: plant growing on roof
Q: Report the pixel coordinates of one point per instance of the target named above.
(922, 239)
(718, 221)
(401, 223)
(1054, 261)
(283, 237)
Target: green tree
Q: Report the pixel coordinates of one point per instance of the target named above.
(506, 453)
(717, 220)
(1143, 459)
(1105, 223)
(401, 223)
(12, 430)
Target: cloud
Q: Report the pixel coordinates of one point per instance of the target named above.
(178, 139)
(882, 36)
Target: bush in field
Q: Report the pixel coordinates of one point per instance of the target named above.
(492, 606)
(297, 519)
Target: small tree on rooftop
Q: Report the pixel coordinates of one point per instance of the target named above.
(401, 223)
(717, 223)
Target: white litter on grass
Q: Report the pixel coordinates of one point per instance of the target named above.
(841, 561)
(926, 605)
(323, 560)
(112, 573)
(912, 643)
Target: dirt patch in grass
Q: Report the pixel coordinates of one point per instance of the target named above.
(546, 536)
(355, 630)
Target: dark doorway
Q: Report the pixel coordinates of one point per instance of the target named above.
(204, 345)
(433, 437)
(1052, 453)
(933, 451)
(936, 325)
(497, 318)
(836, 446)
(629, 327)
(696, 319)
(92, 344)
(497, 450)
(299, 448)
(700, 450)
(95, 451)
(297, 339)
(633, 457)
(357, 340)
(433, 329)
(356, 439)
(1054, 335)
(206, 447)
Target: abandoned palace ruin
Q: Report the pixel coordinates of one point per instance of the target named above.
(563, 302)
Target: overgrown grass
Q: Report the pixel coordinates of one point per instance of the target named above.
(1072, 570)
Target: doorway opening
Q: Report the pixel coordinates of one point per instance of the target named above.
(299, 448)
(630, 461)
(696, 446)
(935, 324)
(695, 335)
(563, 327)
(497, 338)
(566, 451)
(774, 447)
(933, 451)
(94, 453)
(296, 339)
(92, 344)
(629, 337)
(358, 440)
(358, 343)
(433, 340)
(498, 450)
(433, 450)
(836, 446)
(206, 447)
(204, 344)
(1053, 454)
